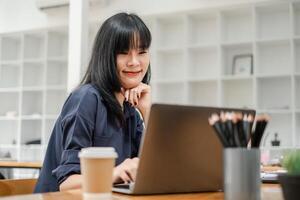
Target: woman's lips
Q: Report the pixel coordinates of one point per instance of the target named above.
(132, 73)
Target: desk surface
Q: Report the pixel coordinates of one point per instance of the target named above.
(269, 191)
(16, 164)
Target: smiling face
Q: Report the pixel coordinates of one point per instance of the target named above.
(132, 66)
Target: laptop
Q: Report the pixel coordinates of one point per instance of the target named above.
(179, 152)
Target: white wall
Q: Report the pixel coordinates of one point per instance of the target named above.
(151, 7)
(18, 15)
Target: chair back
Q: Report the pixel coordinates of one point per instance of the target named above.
(17, 186)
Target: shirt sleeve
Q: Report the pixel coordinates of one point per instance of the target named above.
(77, 129)
(77, 134)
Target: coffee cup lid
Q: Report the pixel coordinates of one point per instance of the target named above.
(98, 152)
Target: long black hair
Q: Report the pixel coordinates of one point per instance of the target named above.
(119, 33)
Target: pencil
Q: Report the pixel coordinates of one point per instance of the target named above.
(214, 121)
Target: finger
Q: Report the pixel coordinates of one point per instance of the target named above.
(143, 89)
(131, 96)
(135, 98)
(133, 166)
(125, 178)
(126, 94)
(131, 174)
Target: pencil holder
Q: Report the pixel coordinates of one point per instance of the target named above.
(242, 174)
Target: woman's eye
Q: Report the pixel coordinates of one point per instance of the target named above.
(123, 52)
(142, 52)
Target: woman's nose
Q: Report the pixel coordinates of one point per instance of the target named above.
(134, 60)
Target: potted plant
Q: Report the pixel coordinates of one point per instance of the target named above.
(290, 182)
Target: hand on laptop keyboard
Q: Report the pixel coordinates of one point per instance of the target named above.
(126, 171)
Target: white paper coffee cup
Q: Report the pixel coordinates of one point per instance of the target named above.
(97, 164)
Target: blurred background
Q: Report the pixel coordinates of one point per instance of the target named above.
(228, 53)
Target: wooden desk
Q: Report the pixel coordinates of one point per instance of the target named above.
(16, 164)
(269, 192)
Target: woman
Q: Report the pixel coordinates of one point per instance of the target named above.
(107, 109)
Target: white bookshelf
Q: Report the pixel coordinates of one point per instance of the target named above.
(193, 56)
(33, 78)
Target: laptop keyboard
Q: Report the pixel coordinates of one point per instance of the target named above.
(124, 185)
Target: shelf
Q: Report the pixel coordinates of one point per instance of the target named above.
(54, 101)
(10, 90)
(49, 125)
(296, 6)
(204, 79)
(56, 73)
(204, 93)
(273, 21)
(297, 92)
(202, 29)
(296, 55)
(34, 45)
(57, 44)
(275, 58)
(170, 66)
(31, 153)
(169, 93)
(11, 117)
(9, 104)
(272, 76)
(11, 63)
(30, 130)
(58, 59)
(170, 32)
(33, 75)
(33, 61)
(274, 93)
(237, 25)
(281, 124)
(237, 93)
(33, 88)
(235, 43)
(11, 48)
(237, 77)
(271, 41)
(32, 103)
(32, 117)
(232, 52)
(9, 76)
(203, 63)
(9, 131)
(8, 152)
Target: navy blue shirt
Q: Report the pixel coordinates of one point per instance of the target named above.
(83, 122)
